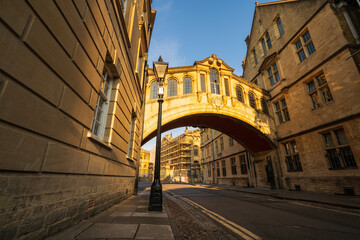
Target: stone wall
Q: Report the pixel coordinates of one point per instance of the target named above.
(55, 170)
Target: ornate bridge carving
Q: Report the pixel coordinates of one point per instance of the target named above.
(208, 94)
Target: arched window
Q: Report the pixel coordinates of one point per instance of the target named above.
(172, 88)
(187, 84)
(214, 81)
(252, 100)
(239, 93)
(154, 88)
(264, 106)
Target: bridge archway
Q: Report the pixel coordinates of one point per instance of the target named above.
(214, 102)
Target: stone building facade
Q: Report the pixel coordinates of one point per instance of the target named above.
(180, 157)
(146, 168)
(306, 55)
(225, 161)
(71, 109)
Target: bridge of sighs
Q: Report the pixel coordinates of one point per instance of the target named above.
(208, 94)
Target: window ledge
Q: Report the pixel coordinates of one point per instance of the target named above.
(94, 138)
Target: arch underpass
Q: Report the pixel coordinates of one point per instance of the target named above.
(208, 94)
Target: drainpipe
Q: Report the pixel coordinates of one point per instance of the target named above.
(213, 150)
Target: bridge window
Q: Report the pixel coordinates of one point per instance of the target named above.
(214, 81)
(239, 93)
(172, 88)
(102, 105)
(202, 82)
(226, 80)
(264, 106)
(154, 87)
(252, 101)
(187, 84)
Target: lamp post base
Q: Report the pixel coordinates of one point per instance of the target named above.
(156, 196)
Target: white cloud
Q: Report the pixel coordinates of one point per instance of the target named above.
(169, 49)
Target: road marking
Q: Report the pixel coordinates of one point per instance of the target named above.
(237, 229)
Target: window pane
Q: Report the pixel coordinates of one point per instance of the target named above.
(172, 88)
(321, 80)
(327, 139)
(297, 163)
(347, 157)
(341, 137)
(310, 48)
(227, 87)
(293, 147)
(239, 94)
(311, 86)
(286, 115)
(277, 76)
(202, 80)
(274, 67)
(252, 100)
(272, 82)
(277, 106)
(306, 37)
(255, 57)
(333, 159)
(283, 102)
(263, 46)
(289, 163)
(154, 90)
(214, 81)
(268, 41)
(301, 55)
(287, 148)
(270, 72)
(298, 45)
(326, 94)
(280, 27)
(315, 100)
(264, 106)
(280, 117)
(187, 85)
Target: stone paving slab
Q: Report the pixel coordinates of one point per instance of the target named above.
(109, 230)
(142, 220)
(130, 219)
(157, 232)
(150, 214)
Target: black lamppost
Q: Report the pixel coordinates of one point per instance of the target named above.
(155, 204)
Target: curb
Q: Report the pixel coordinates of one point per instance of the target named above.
(286, 198)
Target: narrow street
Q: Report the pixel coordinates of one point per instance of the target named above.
(250, 216)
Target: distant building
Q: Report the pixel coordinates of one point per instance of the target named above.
(225, 161)
(180, 157)
(146, 168)
(306, 55)
(71, 110)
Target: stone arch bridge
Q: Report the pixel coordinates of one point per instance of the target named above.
(209, 94)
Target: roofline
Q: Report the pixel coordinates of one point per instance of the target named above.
(275, 2)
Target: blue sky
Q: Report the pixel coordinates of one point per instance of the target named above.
(186, 31)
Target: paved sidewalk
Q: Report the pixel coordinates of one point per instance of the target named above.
(352, 202)
(129, 219)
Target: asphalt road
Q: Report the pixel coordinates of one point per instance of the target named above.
(260, 217)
